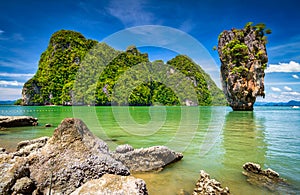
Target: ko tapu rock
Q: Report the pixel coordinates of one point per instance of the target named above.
(243, 59)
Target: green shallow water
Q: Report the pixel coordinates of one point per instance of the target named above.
(211, 138)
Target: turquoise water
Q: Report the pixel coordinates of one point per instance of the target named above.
(211, 138)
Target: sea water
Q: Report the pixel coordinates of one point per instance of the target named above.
(214, 139)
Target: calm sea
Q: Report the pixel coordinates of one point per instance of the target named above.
(214, 139)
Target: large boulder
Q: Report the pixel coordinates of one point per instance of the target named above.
(17, 121)
(243, 59)
(113, 184)
(145, 159)
(70, 158)
(206, 185)
(60, 164)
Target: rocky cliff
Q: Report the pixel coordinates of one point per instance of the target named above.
(243, 58)
(75, 70)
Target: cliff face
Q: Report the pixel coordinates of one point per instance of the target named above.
(243, 58)
(76, 71)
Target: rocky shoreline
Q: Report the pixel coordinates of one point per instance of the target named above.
(17, 121)
(72, 158)
(74, 161)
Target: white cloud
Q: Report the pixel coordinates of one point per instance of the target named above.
(275, 89)
(284, 67)
(295, 76)
(287, 88)
(130, 12)
(292, 93)
(10, 93)
(10, 83)
(5, 74)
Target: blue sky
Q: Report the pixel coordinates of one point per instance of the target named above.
(26, 26)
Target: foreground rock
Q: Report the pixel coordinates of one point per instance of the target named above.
(17, 121)
(62, 163)
(243, 59)
(207, 186)
(113, 184)
(145, 159)
(267, 178)
(72, 157)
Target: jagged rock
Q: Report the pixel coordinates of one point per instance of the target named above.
(267, 178)
(146, 159)
(243, 59)
(26, 147)
(207, 186)
(71, 157)
(23, 186)
(17, 121)
(113, 184)
(11, 169)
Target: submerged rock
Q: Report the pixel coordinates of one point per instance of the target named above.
(208, 186)
(145, 159)
(243, 59)
(267, 178)
(17, 121)
(113, 184)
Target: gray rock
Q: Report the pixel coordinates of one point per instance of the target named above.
(26, 147)
(124, 148)
(146, 159)
(23, 186)
(17, 121)
(208, 186)
(267, 178)
(70, 158)
(113, 184)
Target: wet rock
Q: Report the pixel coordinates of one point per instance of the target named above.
(113, 184)
(267, 178)
(17, 121)
(243, 59)
(207, 186)
(146, 159)
(48, 125)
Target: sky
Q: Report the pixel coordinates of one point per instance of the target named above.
(26, 27)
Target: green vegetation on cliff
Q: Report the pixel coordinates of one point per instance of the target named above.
(76, 71)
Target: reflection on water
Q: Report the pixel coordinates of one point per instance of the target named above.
(243, 141)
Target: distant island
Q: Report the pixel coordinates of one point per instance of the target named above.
(290, 103)
(78, 71)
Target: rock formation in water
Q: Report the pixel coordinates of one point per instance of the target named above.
(268, 179)
(243, 59)
(145, 159)
(205, 185)
(74, 70)
(72, 157)
(17, 121)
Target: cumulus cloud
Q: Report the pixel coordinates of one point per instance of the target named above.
(275, 89)
(284, 67)
(287, 88)
(295, 76)
(10, 83)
